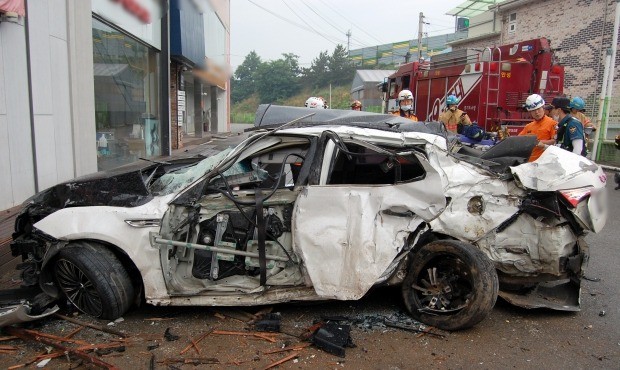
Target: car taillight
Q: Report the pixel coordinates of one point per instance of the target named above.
(575, 196)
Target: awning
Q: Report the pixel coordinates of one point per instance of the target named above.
(210, 78)
(212, 74)
(471, 8)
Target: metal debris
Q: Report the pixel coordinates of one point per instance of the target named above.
(169, 336)
(333, 338)
(270, 323)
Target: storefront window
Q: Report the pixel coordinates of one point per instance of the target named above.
(126, 98)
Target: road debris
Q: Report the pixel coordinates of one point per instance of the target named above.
(297, 347)
(333, 338)
(26, 336)
(92, 326)
(235, 314)
(190, 361)
(269, 322)
(602, 313)
(169, 336)
(279, 362)
(412, 329)
(265, 336)
(194, 343)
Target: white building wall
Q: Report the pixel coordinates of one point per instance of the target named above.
(47, 129)
(16, 164)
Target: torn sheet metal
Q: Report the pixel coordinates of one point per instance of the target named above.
(529, 247)
(560, 295)
(347, 236)
(465, 184)
(559, 169)
(21, 313)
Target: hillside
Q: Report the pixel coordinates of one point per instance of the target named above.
(243, 112)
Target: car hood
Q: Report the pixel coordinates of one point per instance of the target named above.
(126, 186)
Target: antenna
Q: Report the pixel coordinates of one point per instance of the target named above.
(348, 39)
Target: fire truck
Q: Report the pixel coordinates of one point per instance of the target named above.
(491, 84)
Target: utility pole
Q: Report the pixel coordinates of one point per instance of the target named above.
(420, 32)
(348, 40)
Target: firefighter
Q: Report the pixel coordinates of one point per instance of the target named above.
(543, 127)
(356, 105)
(405, 105)
(570, 130)
(454, 117)
(577, 109)
(547, 108)
(314, 102)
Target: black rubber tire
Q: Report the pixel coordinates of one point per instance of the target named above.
(470, 277)
(94, 280)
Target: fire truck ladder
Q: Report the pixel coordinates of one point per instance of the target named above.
(493, 79)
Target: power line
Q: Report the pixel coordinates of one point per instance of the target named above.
(285, 19)
(308, 24)
(327, 21)
(341, 14)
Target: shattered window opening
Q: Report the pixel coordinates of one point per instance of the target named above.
(174, 181)
(365, 166)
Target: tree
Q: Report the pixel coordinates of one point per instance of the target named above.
(318, 74)
(244, 82)
(341, 69)
(278, 79)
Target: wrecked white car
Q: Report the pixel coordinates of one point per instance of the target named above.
(324, 207)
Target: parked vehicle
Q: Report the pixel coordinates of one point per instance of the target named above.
(491, 84)
(325, 206)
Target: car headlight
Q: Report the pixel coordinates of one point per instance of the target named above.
(144, 223)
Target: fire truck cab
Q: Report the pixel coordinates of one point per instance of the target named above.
(491, 84)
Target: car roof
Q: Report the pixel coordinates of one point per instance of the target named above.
(270, 116)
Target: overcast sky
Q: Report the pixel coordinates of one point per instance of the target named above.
(307, 27)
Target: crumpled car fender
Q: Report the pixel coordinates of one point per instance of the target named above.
(21, 313)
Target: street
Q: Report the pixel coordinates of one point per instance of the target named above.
(510, 337)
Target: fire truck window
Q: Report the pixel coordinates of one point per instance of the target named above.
(367, 167)
(406, 82)
(393, 89)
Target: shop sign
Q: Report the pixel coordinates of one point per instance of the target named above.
(180, 107)
(134, 7)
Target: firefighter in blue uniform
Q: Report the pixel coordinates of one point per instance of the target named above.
(570, 130)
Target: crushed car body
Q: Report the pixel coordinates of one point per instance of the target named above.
(316, 206)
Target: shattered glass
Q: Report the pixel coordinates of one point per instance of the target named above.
(174, 181)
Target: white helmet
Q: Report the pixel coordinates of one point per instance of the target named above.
(405, 95)
(314, 102)
(534, 102)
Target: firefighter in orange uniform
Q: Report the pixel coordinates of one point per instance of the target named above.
(453, 116)
(405, 105)
(542, 126)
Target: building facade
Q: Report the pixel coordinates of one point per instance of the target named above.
(88, 85)
(580, 32)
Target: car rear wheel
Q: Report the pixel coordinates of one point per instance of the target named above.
(94, 280)
(450, 285)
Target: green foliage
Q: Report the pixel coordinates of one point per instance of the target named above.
(244, 111)
(278, 79)
(275, 81)
(244, 81)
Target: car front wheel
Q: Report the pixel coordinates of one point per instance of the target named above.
(450, 285)
(94, 280)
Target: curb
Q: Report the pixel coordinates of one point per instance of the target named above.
(610, 168)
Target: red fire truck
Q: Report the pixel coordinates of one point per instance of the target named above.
(492, 84)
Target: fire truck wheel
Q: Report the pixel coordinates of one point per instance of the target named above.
(450, 285)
